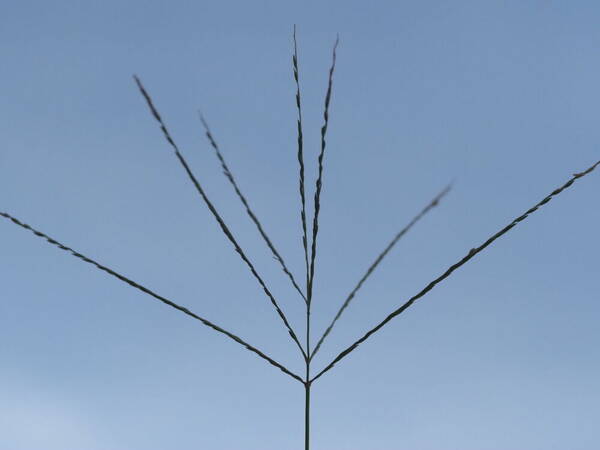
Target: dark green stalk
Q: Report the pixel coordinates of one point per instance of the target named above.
(307, 381)
(307, 415)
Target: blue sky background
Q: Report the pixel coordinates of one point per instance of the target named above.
(501, 96)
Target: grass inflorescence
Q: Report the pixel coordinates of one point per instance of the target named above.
(309, 250)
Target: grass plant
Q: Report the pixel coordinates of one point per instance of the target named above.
(309, 239)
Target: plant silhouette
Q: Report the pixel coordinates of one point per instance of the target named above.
(309, 239)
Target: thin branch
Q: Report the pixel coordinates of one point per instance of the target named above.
(373, 266)
(301, 158)
(152, 294)
(244, 201)
(448, 272)
(213, 210)
(319, 183)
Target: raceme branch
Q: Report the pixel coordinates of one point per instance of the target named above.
(319, 184)
(145, 290)
(300, 141)
(448, 272)
(217, 216)
(249, 211)
(373, 266)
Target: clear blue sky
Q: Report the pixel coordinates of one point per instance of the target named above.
(501, 96)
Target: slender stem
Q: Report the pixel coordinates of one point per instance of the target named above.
(307, 416)
(307, 381)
